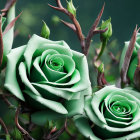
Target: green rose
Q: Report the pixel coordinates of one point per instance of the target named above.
(134, 59)
(48, 75)
(114, 114)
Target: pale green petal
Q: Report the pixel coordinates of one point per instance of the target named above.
(9, 36)
(24, 78)
(99, 96)
(53, 105)
(82, 67)
(132, 127)
(38, 45)
(92, 116)
(47, 52)
(86, 91)
(66, 93)
(84, 127)
(54, 75)
(60, 92)
(36, 72)
(11, 83)
(74, 79)
(75, 107)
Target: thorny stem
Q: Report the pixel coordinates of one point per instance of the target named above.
(22, 130)
(4, 126)
(92, 31)
(58, 133)
(101, 81)
(84, 41)
(11, 24)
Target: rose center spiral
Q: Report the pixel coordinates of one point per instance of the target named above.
(56, 64)
(119, 109)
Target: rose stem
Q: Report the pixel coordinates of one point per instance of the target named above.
(101, 81)
(4, 126)
(24, 132)
(75, 26)
(58, 133)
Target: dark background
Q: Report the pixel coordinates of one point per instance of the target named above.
(124, 14)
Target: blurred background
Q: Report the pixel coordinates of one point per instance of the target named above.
(124, 15)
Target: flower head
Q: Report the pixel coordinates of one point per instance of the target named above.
(48, 75)
(114, 112)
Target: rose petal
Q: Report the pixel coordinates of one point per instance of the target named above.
(92, 116)
(9, 36)
(53, 105)
(11, 82)
(75, 77)
(82, 124)
(37, 45)
(36, 72)
(24, 78)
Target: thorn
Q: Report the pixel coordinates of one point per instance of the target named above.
(56, 8)
(98, 18)
(70, 25)
(11, 24)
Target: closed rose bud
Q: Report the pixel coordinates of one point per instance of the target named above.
(108, 33)
(45, 32)
(71, 8)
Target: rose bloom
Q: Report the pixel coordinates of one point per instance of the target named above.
(112, 114)
(48, 76)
